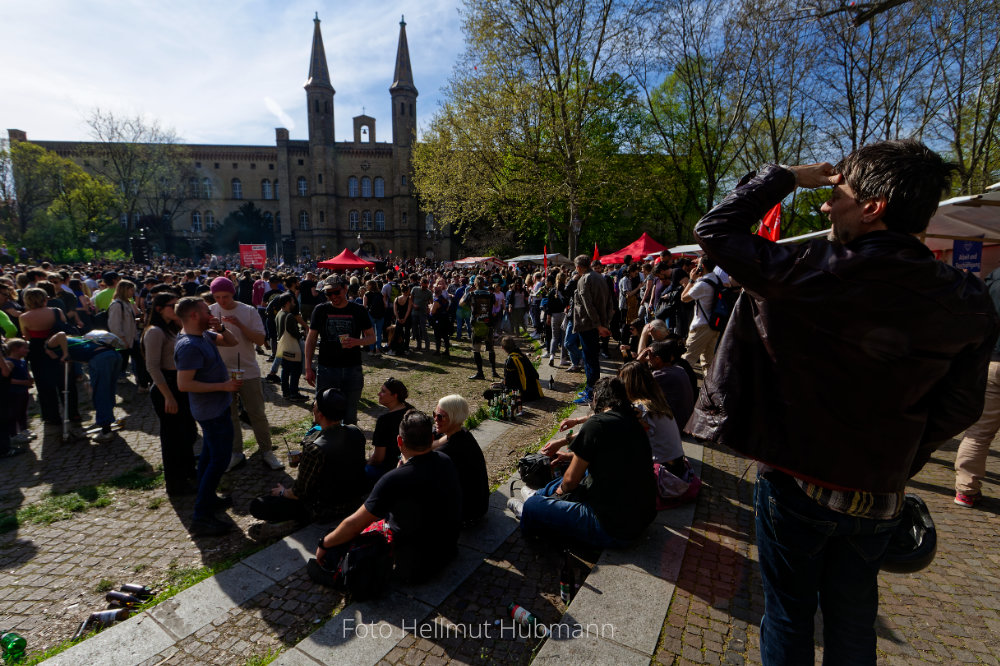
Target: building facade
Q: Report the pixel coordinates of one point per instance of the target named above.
(319, 194)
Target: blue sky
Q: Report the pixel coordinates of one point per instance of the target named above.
(215, 72)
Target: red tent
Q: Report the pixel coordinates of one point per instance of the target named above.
(346, 261)
(638, 249)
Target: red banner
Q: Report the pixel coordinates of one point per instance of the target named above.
(770, 226)
(254, 256)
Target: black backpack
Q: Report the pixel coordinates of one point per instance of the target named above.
(723, 301)
(366, 568)
(535, 470)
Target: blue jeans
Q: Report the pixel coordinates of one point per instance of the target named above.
(216, 451)
(809, 553)
(591, 343)
(378, 325)
(546, 515)
(350, 381)
(572, 342)
(104, 369)
(463, 316)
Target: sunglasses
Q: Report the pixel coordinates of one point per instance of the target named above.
(334, 292)
(440, 417)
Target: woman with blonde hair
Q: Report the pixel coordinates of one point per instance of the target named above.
(453, 440)
(123, 322)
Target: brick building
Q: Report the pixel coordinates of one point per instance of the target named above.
(322, 195)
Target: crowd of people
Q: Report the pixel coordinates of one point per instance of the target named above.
(191, 340)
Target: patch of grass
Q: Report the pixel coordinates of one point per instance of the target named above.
(61, 506)
(546, 435)
(263, 659)
(139, 568)
(104, 586)
(480, 415)
(156, 502)
(180, 578)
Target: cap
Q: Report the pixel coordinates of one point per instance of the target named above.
(109, 277)
(336, 281)
(222, 284)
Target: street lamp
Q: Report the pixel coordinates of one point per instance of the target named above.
(574, 226)
(93, 243)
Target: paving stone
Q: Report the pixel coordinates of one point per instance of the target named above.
(588, 650)
(490, 533)
(130, 642)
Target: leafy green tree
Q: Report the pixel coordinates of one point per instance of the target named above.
(245, 225)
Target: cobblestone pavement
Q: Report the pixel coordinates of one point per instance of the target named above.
(948, 613)
(49, 574)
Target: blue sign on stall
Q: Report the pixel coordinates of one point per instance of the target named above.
(967, 255)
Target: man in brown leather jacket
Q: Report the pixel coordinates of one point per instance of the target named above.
(846, 363)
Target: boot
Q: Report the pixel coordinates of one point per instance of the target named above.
(493, 363)
(478, 357)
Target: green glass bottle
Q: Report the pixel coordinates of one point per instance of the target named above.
(13, 646)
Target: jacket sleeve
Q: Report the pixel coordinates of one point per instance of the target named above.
(725, 235)
(957, 401)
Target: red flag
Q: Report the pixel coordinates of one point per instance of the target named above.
(545, 259)
(770, 226)
(597, 255)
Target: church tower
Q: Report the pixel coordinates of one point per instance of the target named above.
(404, 128)
(319, 93)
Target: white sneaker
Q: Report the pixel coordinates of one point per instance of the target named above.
(237, 460)
(271, 461)
(103, 437)
(527, 492)
(516, 506)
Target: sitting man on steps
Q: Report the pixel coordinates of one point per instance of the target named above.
(417, 506)
(331, 478)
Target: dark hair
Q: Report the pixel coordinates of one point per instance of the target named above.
(610, 393)
(910, 176)
(416, 429)
(668, 350)
(332, 404)
(508, 344)
(186, 306)
(397, 388)
(156, 319)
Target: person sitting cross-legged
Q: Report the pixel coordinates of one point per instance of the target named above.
(417, 506)
(331, 477)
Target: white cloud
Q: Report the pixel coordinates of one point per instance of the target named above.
(203, 68)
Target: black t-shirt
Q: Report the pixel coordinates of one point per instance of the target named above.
(482, 306)
(190, 288)
(422, 502)
(623, 492)
(351, 320)
(244, 291)
(386, 431)
(340, 480)
(306, 292)
(464, 451)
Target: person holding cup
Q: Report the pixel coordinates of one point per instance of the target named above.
(202, 373)
(331, 480)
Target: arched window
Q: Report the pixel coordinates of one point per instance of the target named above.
(379, 220)
(366, 220)
(209, 220)
(379, 187)
(269, 220)
(353, 217)
(265, 189)
(366, 187)
(193, 185)
(429, 223)
(237, 189)
(276, 189)
(303, 220)
(303, 186)
(123, 219)
(206, 187)
(352, 186)
(195, 221)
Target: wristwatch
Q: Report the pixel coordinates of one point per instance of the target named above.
(319, 544)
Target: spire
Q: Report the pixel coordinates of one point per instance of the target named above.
(403, 80)
(319, 75)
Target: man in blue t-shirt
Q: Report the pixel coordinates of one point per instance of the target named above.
(202, 373)
(104, 364)
(418, 506)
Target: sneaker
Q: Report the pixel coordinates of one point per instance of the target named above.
(238, 460)
(209, 527)
(968, 501)
(575, 368)
(272, 378)
(271, 461)
(527, 492)
(222, 503)
(496, 375)
(545, 355)
(516, 507)
(104, 436)
(478, 375)
(552, 361)
(582, 400)
(565, 361)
